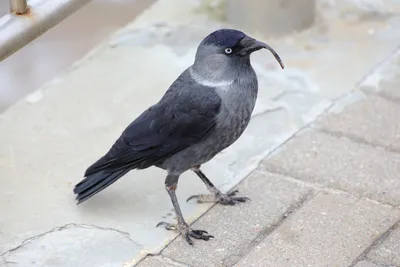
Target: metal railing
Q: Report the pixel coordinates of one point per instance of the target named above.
(28, 20)
(18, 6)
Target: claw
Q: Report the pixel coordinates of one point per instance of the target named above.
(203, 198)
(192, 197)
(224, 199)
(200, 232)
(197, 236)
(188, 239)
(234, 192)
(187, 232)
(242, 199)
(168, 226)
(229, 200)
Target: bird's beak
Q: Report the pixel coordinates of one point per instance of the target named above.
(250, 45)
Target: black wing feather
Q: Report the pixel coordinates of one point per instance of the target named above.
(184, 116)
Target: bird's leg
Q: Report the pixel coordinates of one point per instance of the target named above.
(216, 195)
(171, 184)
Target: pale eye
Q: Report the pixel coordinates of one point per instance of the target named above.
(228, 50)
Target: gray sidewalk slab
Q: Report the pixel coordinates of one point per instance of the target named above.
(330, 230)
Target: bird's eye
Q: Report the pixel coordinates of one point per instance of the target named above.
(228, 50)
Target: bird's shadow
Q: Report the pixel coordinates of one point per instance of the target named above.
(127, 196)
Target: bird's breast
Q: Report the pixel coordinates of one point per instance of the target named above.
(237, 106)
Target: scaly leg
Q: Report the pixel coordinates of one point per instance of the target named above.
(216, 195)
(170, 184)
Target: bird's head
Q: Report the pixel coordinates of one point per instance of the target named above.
(225, 51)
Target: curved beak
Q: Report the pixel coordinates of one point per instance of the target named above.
(251, 45)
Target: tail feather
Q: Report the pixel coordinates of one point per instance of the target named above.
(95, 183)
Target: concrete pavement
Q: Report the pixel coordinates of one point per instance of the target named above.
(327, 197)
(61, 46)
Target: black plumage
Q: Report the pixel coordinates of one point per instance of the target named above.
(184, 116)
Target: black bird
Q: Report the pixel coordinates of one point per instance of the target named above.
(204, 111)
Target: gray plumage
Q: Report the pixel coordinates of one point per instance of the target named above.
(203, 112)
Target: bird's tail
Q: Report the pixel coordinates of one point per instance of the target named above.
(96, 182)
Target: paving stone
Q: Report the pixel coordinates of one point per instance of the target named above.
(155, 261)
(390, 88)
(329, 230)
(366, 264)
(339, 163)
(235, 227)
(373, 120)
(388, 251)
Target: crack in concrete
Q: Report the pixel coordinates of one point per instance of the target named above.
(60, 228)
(4, 261)
(267, 111)
(234, 259)
(374, 244)
(126, 234)
(29, 239)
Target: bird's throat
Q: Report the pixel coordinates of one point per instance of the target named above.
(209, 78)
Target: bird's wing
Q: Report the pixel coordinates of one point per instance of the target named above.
(184, 116)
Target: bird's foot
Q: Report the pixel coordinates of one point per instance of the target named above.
(224, 199)
(186, 231)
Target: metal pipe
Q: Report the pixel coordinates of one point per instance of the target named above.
(18, 6)
(17, 30)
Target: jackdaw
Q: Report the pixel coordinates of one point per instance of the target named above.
(204, 111)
